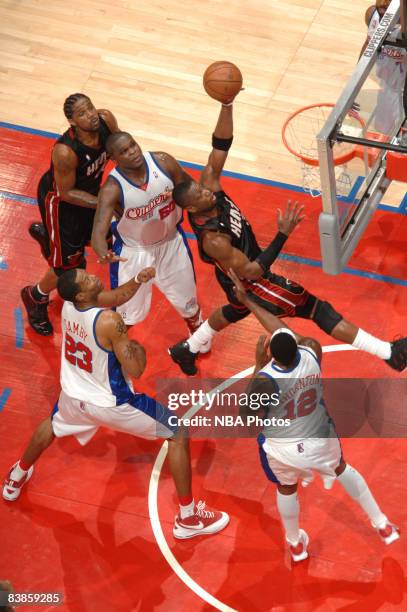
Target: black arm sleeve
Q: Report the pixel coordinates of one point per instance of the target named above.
(267, 257)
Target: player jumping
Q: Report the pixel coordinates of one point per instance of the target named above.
(226, 240)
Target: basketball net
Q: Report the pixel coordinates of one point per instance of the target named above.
(300, 137)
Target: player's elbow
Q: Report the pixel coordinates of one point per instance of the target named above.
(137, 371)
(134, 361)
(65, 195)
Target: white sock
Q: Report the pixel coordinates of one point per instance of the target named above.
(203, 334)
(355, 485)
(186, 511)
(17, 473)
(370, 344)
(289, 509)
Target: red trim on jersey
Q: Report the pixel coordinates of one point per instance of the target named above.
(52, 221)
(281, 297)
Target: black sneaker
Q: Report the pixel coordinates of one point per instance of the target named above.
(398, 359)
(37, 312)
(40, 234)
(184, 357)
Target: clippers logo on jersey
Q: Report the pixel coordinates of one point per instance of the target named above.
(150, 215)
(97, 167)
(142, 211)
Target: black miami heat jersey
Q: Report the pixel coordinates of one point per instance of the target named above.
(69, 227)
(229, 221)
(91, 162)
(277, 294)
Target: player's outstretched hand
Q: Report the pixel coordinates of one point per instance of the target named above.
(238, 289)
(291, 218)
(263, 354)
(230, 101)
(110, 257)
(145, 275)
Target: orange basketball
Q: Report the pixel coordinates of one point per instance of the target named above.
(222, 81)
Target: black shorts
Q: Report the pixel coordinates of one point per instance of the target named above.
(69, 228)
(276, 294)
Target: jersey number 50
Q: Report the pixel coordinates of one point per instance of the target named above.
(84, 361)
(167, 210)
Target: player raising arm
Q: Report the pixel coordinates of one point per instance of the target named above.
(148, 231)
(226, 240)
(291, 366)
(96, 361)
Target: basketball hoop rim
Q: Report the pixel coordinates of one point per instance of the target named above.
(311, 161)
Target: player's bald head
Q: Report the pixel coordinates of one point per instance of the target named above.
(115, 140)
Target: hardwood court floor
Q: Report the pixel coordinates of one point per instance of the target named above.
(84, 524)
(145, 61)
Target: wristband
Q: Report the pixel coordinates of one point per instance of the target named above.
(222, 144)
(137, 280)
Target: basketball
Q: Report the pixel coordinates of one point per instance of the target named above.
(222, 81)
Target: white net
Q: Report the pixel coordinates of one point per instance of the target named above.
(300, 137)
(311, 180)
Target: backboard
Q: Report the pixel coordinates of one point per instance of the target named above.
(367, 119)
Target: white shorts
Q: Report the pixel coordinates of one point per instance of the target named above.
(143, 417)
(287, 463)
(175, 276)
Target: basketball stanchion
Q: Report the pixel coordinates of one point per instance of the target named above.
(299, 136)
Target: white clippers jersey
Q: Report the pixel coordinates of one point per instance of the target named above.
(300, 400)
(390, 62)
(89, 372)
(150, 215)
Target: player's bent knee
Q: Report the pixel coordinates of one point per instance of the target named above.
(326, 317)
(233, 315)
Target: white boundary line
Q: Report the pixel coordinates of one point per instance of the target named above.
(153, 494)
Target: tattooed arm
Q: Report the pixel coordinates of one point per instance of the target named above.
(120, 295)
(111, 333)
